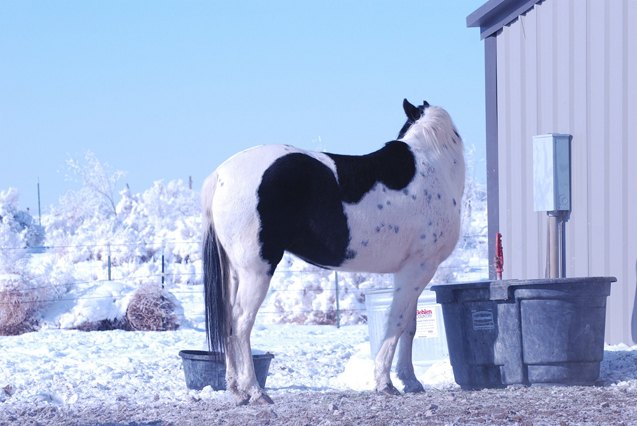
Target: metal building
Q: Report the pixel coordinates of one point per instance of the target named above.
(570, 67)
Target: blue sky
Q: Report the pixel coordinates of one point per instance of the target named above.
(169, 89)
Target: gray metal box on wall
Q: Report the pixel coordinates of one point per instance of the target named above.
(552, 172)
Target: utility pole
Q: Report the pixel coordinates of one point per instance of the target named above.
(39, 208)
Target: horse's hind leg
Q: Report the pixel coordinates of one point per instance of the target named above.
(250, 292)
(231, 350)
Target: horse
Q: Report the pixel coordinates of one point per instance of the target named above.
(396, 210)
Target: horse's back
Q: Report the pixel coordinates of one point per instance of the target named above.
(360, 213)
(279, 198)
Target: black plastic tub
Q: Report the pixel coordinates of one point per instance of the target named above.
(203, 368)
(526, 332)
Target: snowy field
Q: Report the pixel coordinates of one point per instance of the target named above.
(74, 367)
(68, 369)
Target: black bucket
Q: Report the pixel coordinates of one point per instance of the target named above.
(526, 332)
(203, 368)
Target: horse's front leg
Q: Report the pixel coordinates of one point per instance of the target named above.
(405, 366)
(394, 328)
(408, 285)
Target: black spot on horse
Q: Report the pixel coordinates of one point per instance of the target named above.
(393, 166)
(299, 204)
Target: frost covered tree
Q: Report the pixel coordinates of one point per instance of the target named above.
(20, 290)
(88, 213)
(98, 182)
(18, 231)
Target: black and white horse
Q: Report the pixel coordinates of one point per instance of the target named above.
(396, 210)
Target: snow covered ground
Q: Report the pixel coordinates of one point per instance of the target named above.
(74, 367)
(68, 367)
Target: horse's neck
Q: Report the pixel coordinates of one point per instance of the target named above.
(448, 163)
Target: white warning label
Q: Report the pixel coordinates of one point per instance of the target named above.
(426, 321)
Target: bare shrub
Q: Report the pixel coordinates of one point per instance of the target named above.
(152, 309)
(18, 306)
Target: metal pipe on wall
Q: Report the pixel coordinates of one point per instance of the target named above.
(554, 247)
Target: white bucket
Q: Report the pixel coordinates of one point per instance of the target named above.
(430, 341)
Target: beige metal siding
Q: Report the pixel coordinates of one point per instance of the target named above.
(569, 66)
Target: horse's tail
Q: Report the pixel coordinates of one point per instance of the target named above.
(215, 275)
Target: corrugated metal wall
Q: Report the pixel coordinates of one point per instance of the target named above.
(570, 66)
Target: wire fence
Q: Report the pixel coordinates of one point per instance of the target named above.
(298, 293)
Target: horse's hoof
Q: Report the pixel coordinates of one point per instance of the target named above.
(262, 399)
(241, 399)
(414, 387)
(389, 390)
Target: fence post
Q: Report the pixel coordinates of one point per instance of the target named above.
(109, 261)
(338, 308)
(163, 269)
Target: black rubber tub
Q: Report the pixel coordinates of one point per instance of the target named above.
(203, 368)
(526, 332)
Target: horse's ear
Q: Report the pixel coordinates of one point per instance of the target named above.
(412, 112)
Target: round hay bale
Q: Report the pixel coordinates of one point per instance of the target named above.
(152, 308)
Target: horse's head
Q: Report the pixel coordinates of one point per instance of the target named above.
(413, 113)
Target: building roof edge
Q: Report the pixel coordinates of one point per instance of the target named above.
(495, 14)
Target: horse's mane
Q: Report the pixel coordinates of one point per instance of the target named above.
(435, 130)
